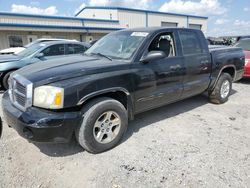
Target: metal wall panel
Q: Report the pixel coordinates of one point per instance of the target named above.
(131, 19)
(105, 14)
(39, 21)
(101, 24)
(156, 19)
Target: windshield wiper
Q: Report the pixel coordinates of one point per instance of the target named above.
(100, 54)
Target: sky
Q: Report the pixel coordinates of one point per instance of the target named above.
(226, 17)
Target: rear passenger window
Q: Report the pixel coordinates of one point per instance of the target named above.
(57, 49)
(75, 49)
(190, 42)
(79, 49)
(70, 49)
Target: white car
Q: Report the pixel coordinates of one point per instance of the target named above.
(15, 50)
(12, 50)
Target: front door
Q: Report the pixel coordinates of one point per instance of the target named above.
(53, 51)
(165, 75)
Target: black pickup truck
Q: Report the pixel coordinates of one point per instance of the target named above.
(93, 96)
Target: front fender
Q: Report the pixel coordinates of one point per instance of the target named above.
(101, 92)
(5, 67)
(108, 91)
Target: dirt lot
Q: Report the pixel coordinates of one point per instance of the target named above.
(191, 143)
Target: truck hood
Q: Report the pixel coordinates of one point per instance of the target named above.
(9, 58)
(67, 67)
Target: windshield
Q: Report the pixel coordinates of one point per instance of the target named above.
(244, 44)
(31, 44)
(30, 50)
(121, 45)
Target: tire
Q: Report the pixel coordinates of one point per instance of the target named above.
(217, 96)
(95, 115)
(5, 80)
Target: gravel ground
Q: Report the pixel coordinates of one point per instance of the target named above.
(191, 143)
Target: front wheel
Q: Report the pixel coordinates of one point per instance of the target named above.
(103, 125)
(222, 89)
(5, 80)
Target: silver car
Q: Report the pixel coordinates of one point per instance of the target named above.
(38, 52)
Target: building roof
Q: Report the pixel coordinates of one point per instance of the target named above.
(137, 10)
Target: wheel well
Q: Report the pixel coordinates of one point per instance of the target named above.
(229, 70)
(120, 96)
(117, 95)
(9, 71)
(6, 72)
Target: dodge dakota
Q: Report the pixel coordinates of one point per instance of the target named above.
(93, 96)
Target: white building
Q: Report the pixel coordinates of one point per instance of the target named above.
(88, 24)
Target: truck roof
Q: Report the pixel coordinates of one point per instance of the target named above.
(155, 29)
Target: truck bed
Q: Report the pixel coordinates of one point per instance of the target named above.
(223, 56)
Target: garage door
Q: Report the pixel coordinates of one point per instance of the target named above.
(169, 24)
(195, 26)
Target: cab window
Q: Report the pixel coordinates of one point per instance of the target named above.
(163, 42)
(190, 42)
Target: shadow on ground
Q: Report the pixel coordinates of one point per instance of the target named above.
(60, 150)
(244, 81)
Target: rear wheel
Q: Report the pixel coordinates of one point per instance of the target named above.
(222, 89)
(103, 125)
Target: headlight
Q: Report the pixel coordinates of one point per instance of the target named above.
(48, 97)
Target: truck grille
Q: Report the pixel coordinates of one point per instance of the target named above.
(20, 91)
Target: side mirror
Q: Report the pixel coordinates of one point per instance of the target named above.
(39, 55)
(153, 55)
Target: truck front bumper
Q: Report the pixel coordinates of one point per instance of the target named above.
(40, 125)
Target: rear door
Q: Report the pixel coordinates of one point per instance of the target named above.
(72, 49)
(197, 62)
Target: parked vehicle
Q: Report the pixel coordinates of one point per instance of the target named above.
(243, 37)
(94, 96)
(245, 45)
(15, 50)
(35, 53)
(12, 50)
(226, 41)
(48, 40)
